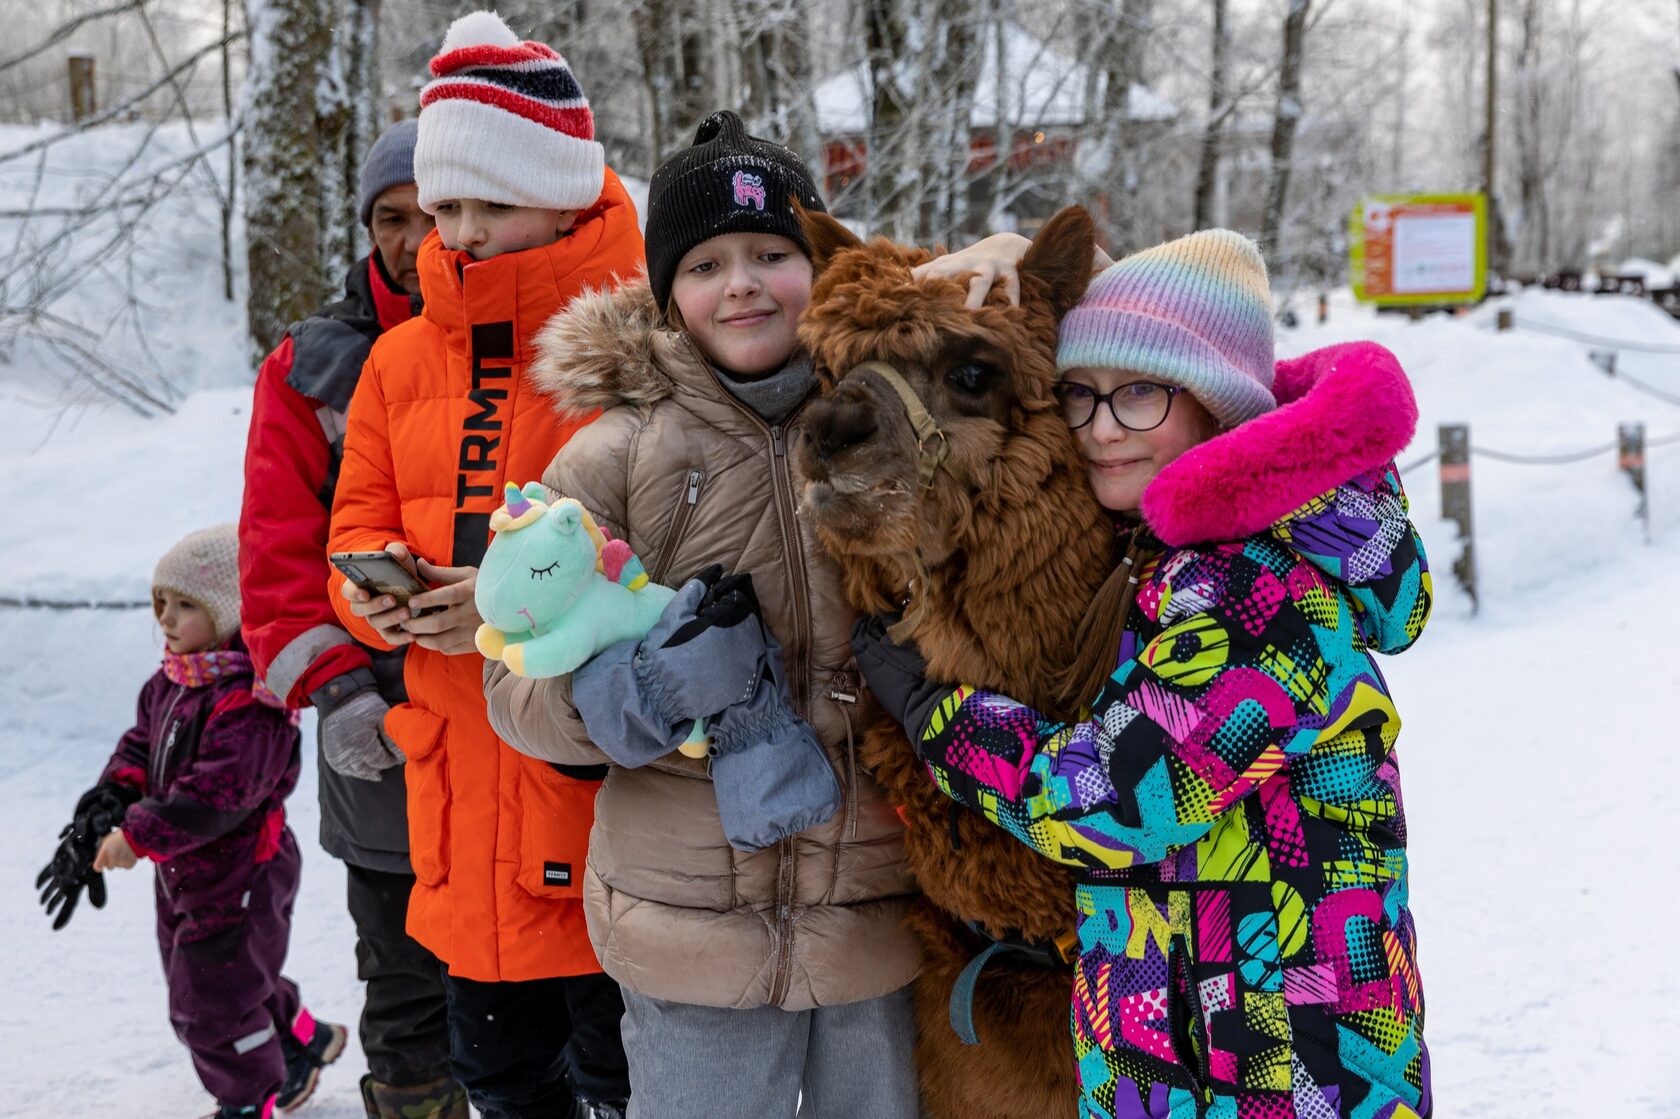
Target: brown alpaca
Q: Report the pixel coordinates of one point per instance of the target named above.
(995, 561)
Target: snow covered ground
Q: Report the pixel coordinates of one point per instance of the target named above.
(1545, 899)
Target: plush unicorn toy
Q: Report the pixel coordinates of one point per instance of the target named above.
(553, 590)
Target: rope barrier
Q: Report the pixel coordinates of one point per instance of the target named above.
(1543, 460)
(1421, 461)
(33, 603)
(1649, 390)
(1560, 459)
(1596, 340)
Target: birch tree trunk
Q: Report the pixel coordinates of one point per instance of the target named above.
(1284, 125)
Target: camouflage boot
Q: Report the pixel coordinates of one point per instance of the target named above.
(436, 1099)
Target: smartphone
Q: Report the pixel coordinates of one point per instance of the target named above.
(379, 573)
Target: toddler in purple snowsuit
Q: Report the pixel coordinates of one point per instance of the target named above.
(204, 772)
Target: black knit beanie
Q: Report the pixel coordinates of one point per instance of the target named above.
(727, 182)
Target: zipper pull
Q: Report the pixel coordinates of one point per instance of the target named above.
(693, 487)
(839, 689)
(777, 447)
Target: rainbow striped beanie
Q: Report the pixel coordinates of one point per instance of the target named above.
(1195, 312)
(505, 121)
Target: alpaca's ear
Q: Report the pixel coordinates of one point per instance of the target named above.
(825, 234)
(1060, 257)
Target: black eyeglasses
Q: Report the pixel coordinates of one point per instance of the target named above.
(1139, 406)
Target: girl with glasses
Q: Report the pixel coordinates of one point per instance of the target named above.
(1230, 792)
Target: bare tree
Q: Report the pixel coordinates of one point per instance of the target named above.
(677, 77)
(889, 113)
(1207, 169)
(1529, 79)
(776, 64)
(301, 233)
(75, 295)
(1285, 122)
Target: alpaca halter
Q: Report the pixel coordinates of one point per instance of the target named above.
(929, 457)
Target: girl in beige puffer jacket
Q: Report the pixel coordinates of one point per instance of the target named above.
(751, 980)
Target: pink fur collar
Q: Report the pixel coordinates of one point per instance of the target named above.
(1342, 410)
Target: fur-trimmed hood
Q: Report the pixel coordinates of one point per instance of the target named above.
(1316, 474)
(606, 348)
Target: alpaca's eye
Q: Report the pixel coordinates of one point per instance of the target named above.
(545, 572)
(971, 377)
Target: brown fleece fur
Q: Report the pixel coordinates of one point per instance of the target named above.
(598, 353)
(1013, 546)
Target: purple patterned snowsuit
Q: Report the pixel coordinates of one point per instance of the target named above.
(215, 766)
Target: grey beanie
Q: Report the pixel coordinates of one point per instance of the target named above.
(389, 163)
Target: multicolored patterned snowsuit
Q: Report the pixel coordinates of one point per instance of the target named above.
(1245, 944)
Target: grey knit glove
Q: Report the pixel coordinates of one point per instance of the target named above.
(352, 726)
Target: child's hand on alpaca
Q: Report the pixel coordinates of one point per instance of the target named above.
(382, 613)
(115, 853)
(994, 258)
(451, 630)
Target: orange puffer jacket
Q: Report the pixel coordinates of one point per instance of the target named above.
(443, 416)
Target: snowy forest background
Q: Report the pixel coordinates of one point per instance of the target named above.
(1269, 116)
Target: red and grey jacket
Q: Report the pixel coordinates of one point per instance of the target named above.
(291, 470)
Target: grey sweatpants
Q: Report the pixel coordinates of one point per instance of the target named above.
(706, 1062)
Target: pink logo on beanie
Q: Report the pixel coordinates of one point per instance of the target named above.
(749, 188)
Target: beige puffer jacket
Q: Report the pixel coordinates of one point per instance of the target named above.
(691, 477)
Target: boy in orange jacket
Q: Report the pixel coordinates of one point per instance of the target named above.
(528, 217)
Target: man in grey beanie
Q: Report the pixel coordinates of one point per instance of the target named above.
(304, 656)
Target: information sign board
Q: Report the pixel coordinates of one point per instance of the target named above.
(1419, 248)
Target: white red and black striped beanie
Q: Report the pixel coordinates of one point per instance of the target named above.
(505, 121)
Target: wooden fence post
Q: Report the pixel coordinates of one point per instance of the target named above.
(1631, 459)
(1455, 503)
(83, 99)
(1507, 319)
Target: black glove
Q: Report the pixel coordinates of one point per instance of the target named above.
(705, 652)
(897, 674)
(62, 880)
(729, 600)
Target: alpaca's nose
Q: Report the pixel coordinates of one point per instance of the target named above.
(843, 424)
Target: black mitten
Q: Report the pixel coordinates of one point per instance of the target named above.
(728, 601)
(897, 675)
(62, 880)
